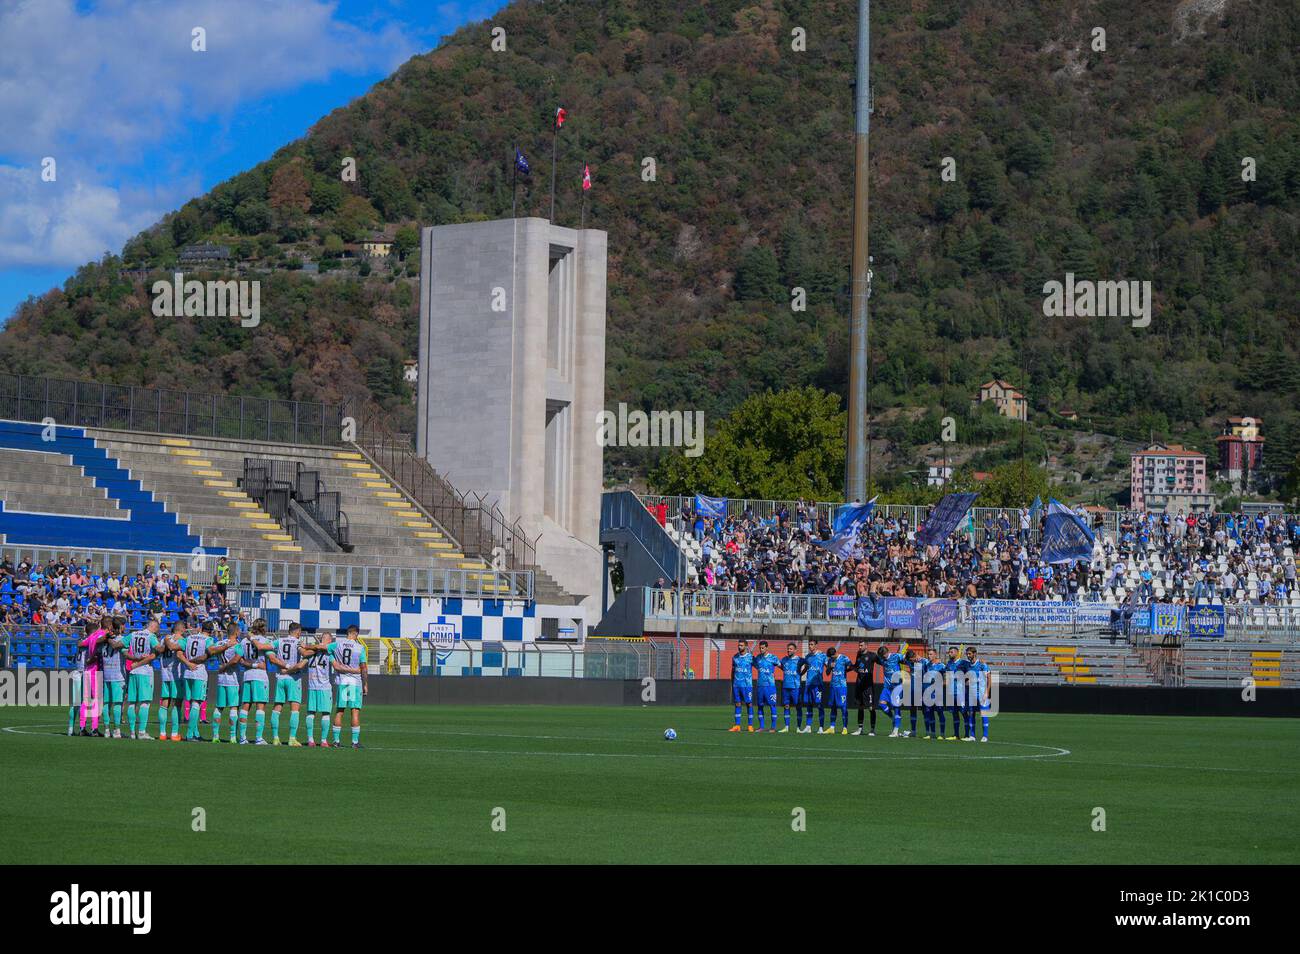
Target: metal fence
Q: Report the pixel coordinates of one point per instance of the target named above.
(914, 514)
(298, 577)
(722, 606)
(166, 411)
(1261, 623)
(478, 525)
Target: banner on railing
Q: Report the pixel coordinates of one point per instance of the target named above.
(1206, 622)
(905, 612)
(841, 607)
(711, 507)
(938, 615)
(1167, 619)
(1039, 613)
(871, 612)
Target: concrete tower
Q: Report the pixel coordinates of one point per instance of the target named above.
(512, 380)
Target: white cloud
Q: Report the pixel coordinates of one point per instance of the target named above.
(73, 220)
(102, 91)
(122, 75)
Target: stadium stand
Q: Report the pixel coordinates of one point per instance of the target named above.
(143, 523)
(201, 477)
(1081, 662)
(771, 546)
(1270, 665)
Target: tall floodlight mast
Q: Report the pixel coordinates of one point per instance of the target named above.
(858, 458)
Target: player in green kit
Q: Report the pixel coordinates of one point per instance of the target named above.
(228, 660)
(173, 683)
(348, 657)
(253, 650)
(140, 650)
(193, 654)
(288, 659)
(319, 695)
(114, 678)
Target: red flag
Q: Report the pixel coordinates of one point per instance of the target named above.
(586, 178)
(560, 117)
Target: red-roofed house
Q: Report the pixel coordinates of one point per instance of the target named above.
(1009, 402)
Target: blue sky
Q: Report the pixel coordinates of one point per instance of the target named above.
(137, 122)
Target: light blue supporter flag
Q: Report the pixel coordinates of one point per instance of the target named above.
(1066, 537)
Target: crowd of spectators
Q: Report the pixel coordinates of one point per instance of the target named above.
(1174, 558)
(70, 592)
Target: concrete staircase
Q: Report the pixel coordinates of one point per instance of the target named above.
(51, 483)
(198, 478)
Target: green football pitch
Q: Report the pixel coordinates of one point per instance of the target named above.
(571, 784)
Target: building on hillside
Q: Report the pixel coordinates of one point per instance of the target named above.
(200, 254)
(377, 245)
(1241, 450)
(937, 475)
(1009, 401)
(1170, 478)
(411, 370)
(1068, 413)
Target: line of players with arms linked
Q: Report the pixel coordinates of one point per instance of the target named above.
(117, 669)
(957, 687)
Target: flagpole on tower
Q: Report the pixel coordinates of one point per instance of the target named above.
(557, 122)
(858, 456)
(514, 184)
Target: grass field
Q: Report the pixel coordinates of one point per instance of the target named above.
(602, 785)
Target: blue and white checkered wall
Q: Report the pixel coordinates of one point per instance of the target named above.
(398, 616)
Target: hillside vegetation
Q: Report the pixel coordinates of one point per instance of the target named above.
(1117, 164)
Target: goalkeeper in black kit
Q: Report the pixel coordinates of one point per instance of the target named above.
(865, 690)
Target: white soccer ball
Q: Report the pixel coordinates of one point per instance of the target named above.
(670, 734)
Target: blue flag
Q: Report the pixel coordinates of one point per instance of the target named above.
(871, 612)
(849, 515)
(1035, 510)
(521, 163)
(944, 518)
(848, 520)
(712, 507)
(1066, 538)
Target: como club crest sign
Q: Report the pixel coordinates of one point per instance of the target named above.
(442, 639)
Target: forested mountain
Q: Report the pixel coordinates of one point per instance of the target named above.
(1118, 163)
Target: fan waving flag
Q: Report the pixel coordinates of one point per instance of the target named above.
(586, 178)
(560, 116)
(848, 520)
(850, 515)
(944, 518)
(1066, 538)
(521, 163)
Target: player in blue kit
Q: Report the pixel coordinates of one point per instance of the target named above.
(838, 665)
(790, 688)
(891, 689)
(932, 697)
(977, 694)
(814, 665)
(957, 668)
(766, 664)
(742, 683)
(913, 670)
